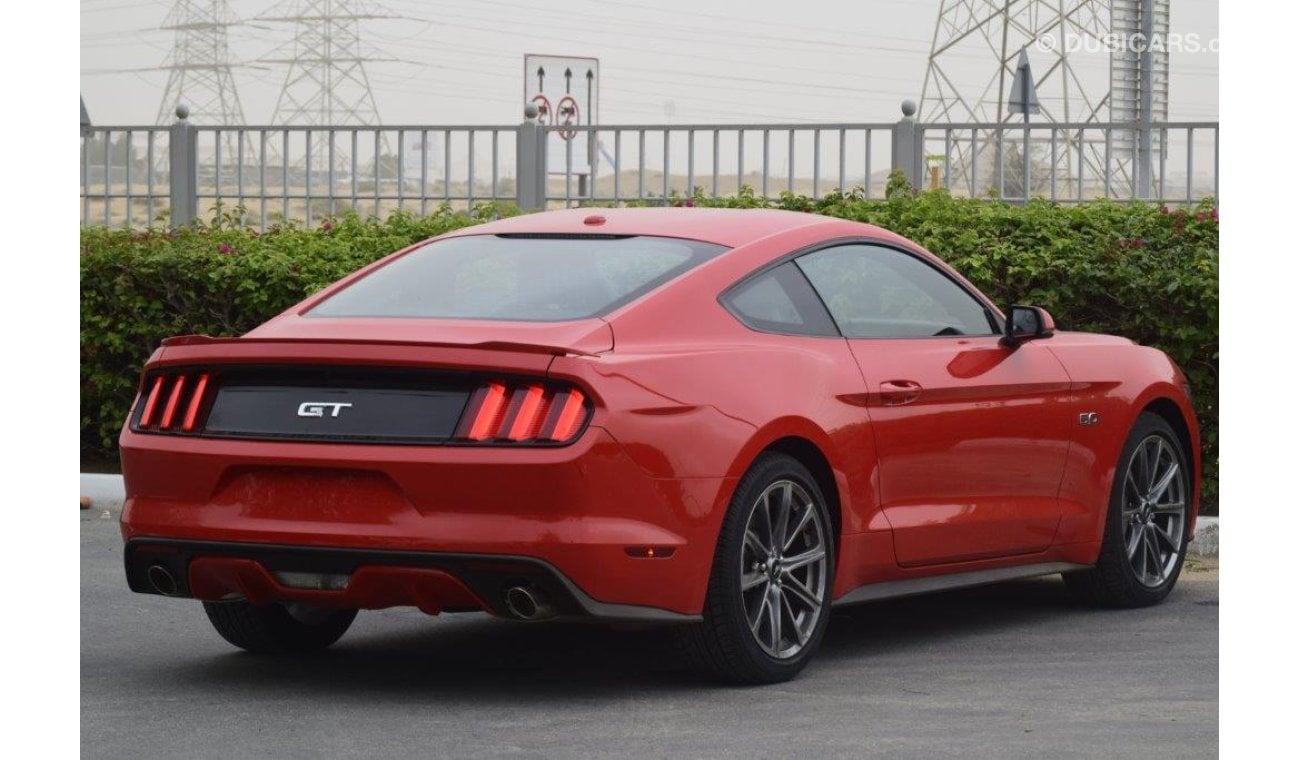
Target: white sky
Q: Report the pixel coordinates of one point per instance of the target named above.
(661, 60)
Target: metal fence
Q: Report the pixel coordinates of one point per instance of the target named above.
(141, 175)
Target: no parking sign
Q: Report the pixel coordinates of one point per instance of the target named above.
(565, 90)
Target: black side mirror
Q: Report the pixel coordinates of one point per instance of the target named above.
(1027, 323)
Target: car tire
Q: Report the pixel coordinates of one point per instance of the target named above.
(274, 629)
(1145, 539)
(743, 586)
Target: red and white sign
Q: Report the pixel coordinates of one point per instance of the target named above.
(566, 92)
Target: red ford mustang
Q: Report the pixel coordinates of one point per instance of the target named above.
(726, 420)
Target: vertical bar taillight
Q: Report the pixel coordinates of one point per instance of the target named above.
(570, 417)
(196, 402)
(175, 402)
(504, 413)
(487, 416)
(151, 403)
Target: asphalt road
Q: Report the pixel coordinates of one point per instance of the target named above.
(1014, 670)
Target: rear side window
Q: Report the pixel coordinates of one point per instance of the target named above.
(518, 278)
(780, 300)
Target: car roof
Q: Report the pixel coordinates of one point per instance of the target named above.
(723, 226)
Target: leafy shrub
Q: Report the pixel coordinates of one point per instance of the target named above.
(1136, 270)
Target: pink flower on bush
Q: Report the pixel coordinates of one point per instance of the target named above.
(689, 203)
(225, 248)
(1164, 210)
(327, 225)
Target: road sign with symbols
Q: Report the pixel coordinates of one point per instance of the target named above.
(566, 91)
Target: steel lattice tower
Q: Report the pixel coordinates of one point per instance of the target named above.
(199, 64)
(972, 64)
(326, 81)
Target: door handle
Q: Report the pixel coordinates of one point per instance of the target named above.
(899, 392)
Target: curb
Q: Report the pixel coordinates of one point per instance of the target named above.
(107, 492)
(1206, 541)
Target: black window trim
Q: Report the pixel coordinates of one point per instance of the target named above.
(990, 310)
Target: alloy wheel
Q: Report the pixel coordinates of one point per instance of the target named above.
(1154, 510)
(783, 569)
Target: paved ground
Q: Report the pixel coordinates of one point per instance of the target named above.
(1005, 671)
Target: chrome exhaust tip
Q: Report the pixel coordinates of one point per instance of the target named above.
(526, 603)
(162, 579)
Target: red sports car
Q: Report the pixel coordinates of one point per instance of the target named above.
(726, 420)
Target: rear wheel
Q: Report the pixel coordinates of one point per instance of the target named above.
(769, 592)
(1145, 539)
(276, 629)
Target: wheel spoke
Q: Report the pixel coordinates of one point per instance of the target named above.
(1164, 538)
(1129, 482)
(801, 592)
(1153, 464)
(1148, 561)
(765, 504)
(1172, 508)
(1162, 484)
(1134, 540)
(751, 580)
(804, 519)
(774, 618)
(756, 619)
(1153, 551)
(783, 515)
(790, 564)
(799, 634)
(755, 543)
(1140, 468)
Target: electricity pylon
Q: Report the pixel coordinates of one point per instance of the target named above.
(972, 64)
(199, 64)
(325, 81)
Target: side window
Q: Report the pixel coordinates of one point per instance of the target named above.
(779, 300)
(878, 292)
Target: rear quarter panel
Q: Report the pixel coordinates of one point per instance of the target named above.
(690, 392)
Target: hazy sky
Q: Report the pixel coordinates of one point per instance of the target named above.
(661, 60)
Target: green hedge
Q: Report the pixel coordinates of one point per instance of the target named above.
(219, 278)
(1136, 270)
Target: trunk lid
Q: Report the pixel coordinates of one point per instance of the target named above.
(381, 380)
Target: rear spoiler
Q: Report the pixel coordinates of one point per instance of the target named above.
(491, 345)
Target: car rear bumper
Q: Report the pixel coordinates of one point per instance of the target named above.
(375, 579)
(427, 518)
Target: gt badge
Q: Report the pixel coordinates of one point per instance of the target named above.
(317, 408)
(1089, 418)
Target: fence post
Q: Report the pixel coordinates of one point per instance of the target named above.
(183, 168)
(530, 162)
(908, 146)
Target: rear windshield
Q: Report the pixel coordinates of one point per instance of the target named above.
(517, 278)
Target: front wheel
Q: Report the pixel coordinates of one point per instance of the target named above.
(277, 629)
(1145, 539)
(769, 592)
